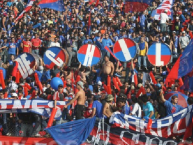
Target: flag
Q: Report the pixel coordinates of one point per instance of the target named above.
(136, 5)
(165, 5)
(41, 107)
(74, 132)
(97, 2)
(89, 23)
(188, 84)
(105, 134)
(109, 50)
(99, 45)
(28, 7)
(183, 65)
(57, 5)
(174, 124)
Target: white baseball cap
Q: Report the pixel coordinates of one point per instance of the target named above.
(80, 83)
(99, 83)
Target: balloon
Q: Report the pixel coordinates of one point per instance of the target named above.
(54, 110)
(17, 77)
(4, 72)
(28, 96)
(2, 79)
(55, 82)
(15, 69)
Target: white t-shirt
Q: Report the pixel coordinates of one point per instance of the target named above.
(136, 111)
(163, 18)
(13, 86)
(56, 44)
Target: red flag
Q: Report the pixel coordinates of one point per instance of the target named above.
(173, 75)
(91, 2)
(152, 78)
(89, 20)
(97, 2)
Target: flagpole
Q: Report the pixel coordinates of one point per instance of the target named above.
(103, 128)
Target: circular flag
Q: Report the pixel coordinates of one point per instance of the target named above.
(125, 49)
(26, 62)
(55, 56)
(159, 54)
(89, 55)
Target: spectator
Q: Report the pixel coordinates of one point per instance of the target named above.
(123, 106)
(135, 108)
(26, 120)
(55, 43)
(163, 21)
(148, 110)
(108, 107)
(36, 43)
(97, 107)
(13, 49)
(183, 41)
(171, 107)
(19, 6)
(143, 46)
(26, 45)
(106, 41)
(12, 85)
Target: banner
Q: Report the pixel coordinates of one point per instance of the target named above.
(175, 124)
(165, 5)
(120, 136)
(41, 107)
(9, 140)
(136, 5)
(28, 104)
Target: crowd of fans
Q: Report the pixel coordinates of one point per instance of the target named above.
(40, 29)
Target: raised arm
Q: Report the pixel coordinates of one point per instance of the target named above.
(162, 96)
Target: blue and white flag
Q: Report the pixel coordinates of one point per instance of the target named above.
(175, 124)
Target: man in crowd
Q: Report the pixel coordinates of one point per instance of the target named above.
(36, 43)
(143, 48)
(148, 110)
(80, 97)
(107, 69)
(171, 106)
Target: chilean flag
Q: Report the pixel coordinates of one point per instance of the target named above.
(57, 5)
(136, 5)
(183, 65)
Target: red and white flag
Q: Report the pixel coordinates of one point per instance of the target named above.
(165, 5)
(28, 7)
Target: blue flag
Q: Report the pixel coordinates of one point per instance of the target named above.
(74, 132)
(183, 65)
(99, 45)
